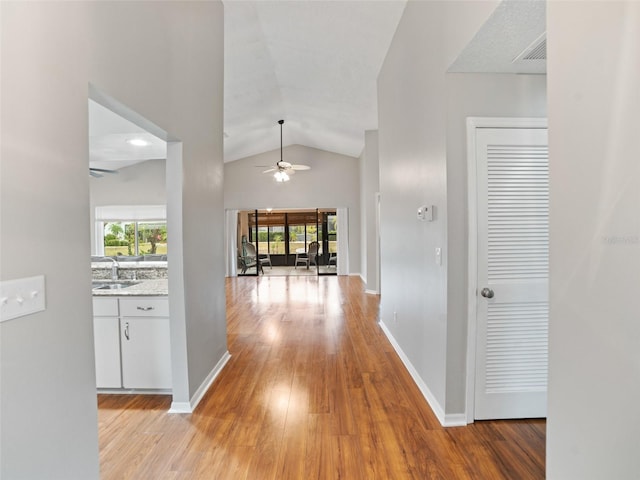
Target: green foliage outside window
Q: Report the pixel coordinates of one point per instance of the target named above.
(152, 238)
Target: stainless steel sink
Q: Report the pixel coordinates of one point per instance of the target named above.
(112, 285)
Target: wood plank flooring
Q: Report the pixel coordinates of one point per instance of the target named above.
(313, 390)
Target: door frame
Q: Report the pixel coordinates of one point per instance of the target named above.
(474, 123)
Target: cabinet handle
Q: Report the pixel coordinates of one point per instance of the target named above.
(145, 309)
(126, 330)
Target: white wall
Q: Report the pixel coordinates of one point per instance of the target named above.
(140, 184)
(412, 110)
(594, 369)
(369, 188)
(332, 182)
(164, 60)
(472, 95)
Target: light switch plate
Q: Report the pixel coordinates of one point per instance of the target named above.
(21, 297)
(425, 213)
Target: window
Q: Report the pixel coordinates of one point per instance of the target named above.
(271, 240)
(131, 230)
(152, 238)
(332, 230)
(122, 238)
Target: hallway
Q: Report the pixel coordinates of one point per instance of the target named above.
(313, 390)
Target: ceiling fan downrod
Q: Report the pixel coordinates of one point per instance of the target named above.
(280, 122)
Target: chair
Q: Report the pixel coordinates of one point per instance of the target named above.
(250, 258)
(301, 257)
(312, 254)
(265, 259)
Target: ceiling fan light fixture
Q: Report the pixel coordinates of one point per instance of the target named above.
(138, 142)
(283, 170)
(281, 176)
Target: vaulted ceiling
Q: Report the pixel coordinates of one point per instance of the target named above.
(313, 64)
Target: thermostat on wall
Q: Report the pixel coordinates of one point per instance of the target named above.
(425, 213)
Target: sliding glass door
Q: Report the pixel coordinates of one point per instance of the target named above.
(328, 234)
(248, 259)
(298, 239)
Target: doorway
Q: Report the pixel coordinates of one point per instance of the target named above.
(508, 268)
(286, 242)
(129, 204)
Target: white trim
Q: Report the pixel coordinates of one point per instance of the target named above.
(455, 420)
(134, 391)
(426, 393)
(474, 123)
(378, 272)
(342, 263)
(131, 212)
(231, 242)
(371, 292)
(180, 407)
(98, 237)
(189, 407)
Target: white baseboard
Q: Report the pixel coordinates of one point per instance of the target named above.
(426, 393)
(180, 407)
(371, 292)
(134, 391)
(189, 407)
(455, 420)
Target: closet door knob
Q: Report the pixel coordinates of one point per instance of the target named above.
(487, 292)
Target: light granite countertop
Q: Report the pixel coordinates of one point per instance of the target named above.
(155, 287)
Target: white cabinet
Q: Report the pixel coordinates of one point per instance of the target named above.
(140, 336)
(106, 335)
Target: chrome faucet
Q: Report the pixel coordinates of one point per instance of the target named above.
(114, 268)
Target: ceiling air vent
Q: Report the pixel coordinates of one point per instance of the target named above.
(536, 51)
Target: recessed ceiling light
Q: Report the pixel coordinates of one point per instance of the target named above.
(138, 142)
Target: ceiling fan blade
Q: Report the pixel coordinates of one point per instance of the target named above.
(97, 172)
(269, 170)
(300, 167)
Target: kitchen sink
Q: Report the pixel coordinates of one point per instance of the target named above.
(112, 285)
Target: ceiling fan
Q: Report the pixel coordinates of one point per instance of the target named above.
(99, 172)
(284, 169)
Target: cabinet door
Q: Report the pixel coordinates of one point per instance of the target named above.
(146, 352)
(106, 337)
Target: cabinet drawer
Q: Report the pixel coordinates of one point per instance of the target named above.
(144, 307)
(105, 307)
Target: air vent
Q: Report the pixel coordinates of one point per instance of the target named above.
(536, 51)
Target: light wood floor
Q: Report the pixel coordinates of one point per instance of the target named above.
(313, 390)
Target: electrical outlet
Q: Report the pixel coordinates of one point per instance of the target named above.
(395, 317)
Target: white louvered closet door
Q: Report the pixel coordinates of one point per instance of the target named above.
(513, 273)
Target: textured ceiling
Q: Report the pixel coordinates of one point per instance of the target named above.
(312, 63)
(109, 136)
(513, 26)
